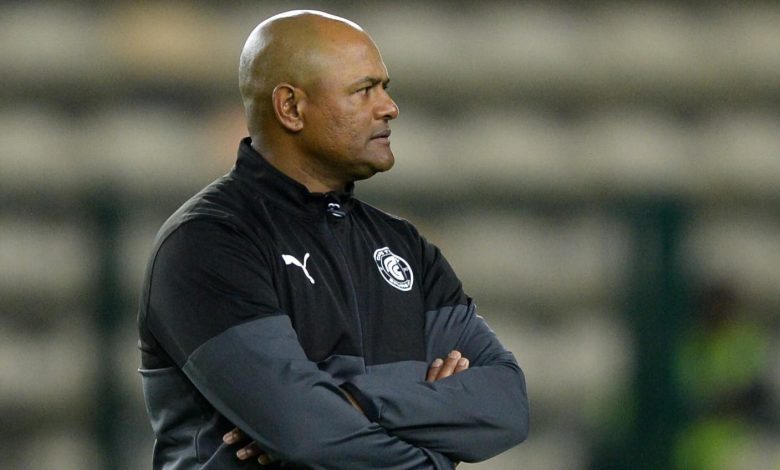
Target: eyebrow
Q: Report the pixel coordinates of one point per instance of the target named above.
(372, 80)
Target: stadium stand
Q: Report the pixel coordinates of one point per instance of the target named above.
(535, 142)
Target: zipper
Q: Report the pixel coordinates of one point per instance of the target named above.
(334, 210)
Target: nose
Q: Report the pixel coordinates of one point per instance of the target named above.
(388, 110)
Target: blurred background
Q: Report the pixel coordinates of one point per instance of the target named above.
(604, 176)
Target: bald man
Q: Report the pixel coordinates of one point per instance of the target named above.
(308, 328)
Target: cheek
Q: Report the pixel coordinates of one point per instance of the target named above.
(327, 129)
(346, 129)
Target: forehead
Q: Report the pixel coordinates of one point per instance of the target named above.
(344, 60)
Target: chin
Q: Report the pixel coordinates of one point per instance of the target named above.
(370, 164)
(384, 162)
(386, 167)
(373, 167)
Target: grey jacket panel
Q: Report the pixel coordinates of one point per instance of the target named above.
(301, 415)
(353, 285)
(469, 416)
(188, 430)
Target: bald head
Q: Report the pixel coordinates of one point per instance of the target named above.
(315, 94)
(287, 48)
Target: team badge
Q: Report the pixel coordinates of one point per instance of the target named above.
(394, 269)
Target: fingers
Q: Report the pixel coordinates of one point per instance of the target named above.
(433, 371)
(250, 451)
(462, 365)
(234, 436)
(452, 365)
(449, 365)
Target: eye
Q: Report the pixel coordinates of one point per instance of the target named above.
(365, 90)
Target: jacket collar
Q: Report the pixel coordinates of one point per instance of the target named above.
(266, 181)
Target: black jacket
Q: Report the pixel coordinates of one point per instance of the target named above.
(261, 299)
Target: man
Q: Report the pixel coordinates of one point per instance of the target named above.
(277, 303)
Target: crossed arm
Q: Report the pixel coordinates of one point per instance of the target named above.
(466, 414)
(469, 415)
(439, 369)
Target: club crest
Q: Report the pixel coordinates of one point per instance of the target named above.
(394, 269)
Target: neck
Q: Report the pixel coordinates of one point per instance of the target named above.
(296, 168)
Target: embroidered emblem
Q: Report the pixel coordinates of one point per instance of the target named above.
(394, 269)
(289, 259)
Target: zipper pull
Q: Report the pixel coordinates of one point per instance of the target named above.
(334, 209)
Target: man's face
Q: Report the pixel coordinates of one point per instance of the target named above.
(346, 119)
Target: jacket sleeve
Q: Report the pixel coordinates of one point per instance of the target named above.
(213, 308)
(470, 416)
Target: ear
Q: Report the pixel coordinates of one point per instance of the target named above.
(287, 102)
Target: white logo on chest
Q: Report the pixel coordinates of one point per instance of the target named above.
(394, 269)
(289, 259)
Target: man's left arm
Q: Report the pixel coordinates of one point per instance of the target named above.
(467, 413)
(469, 416)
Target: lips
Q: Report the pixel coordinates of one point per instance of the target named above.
(384, 134)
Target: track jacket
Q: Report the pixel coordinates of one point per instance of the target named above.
(262, 299)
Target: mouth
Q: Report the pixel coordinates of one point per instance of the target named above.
(384, 134)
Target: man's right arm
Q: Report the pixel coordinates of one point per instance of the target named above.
(287, 405)
(439, 369)
(213, 309)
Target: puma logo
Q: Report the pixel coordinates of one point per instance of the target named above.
(289, 259)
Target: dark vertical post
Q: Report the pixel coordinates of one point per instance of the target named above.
(106, 213)
(657, 310)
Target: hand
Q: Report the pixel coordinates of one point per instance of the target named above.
(252, 450)
(441, 369)
(249, 451)
(438, 370)
(453, 364)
